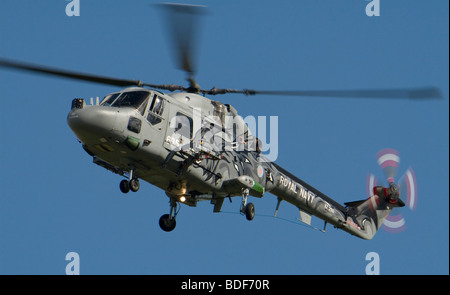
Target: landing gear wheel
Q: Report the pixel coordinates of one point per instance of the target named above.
(124, 186)
(250, 211)
(134, 185)
(166, 223)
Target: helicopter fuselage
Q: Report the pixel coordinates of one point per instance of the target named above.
(175, 142)
(198, 149)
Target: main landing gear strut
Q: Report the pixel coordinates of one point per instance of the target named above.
(247, 209)
(131, 184)
(168, 222)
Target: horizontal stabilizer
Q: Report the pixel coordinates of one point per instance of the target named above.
(354, 203)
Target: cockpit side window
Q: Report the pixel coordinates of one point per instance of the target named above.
(109, 99)
(156, 109)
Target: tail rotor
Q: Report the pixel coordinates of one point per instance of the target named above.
(389, 160)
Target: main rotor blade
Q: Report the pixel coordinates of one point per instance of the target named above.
(67, 74)
(182, 20)
(409, 93)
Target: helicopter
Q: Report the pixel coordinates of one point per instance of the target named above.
(197, 149)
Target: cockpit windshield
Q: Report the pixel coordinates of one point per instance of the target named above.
(134, 99)
(109, 99)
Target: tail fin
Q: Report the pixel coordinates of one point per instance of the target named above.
(365, 217)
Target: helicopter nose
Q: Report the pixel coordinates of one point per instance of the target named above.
(91, 121)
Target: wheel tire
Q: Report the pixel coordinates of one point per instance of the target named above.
(134, 185)
(166, 223)
(124, 186)
(250, 211)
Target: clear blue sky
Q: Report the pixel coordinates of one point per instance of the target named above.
(54, 200)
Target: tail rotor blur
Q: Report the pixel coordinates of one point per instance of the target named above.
(389, 160)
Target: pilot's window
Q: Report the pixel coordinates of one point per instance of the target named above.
(156, 109)
(109, 99)
(134, 99)
(183, 125)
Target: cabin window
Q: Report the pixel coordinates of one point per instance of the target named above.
(183, 125)
(156, 109)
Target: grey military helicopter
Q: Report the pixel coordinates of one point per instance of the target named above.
(198, 149)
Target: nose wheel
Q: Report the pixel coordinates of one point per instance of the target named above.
(127, 185)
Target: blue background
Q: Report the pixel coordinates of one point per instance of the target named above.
(53, 200)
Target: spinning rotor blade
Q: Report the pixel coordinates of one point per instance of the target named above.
(371, 182)
(388, 159)
(408, 187)
(408, 93)
(394, 223)
(67, 74)
(182, 21)
(82, 76)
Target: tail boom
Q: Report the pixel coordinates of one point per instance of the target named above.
(360, 218)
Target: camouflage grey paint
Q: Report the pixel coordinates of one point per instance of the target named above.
(198, 170)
